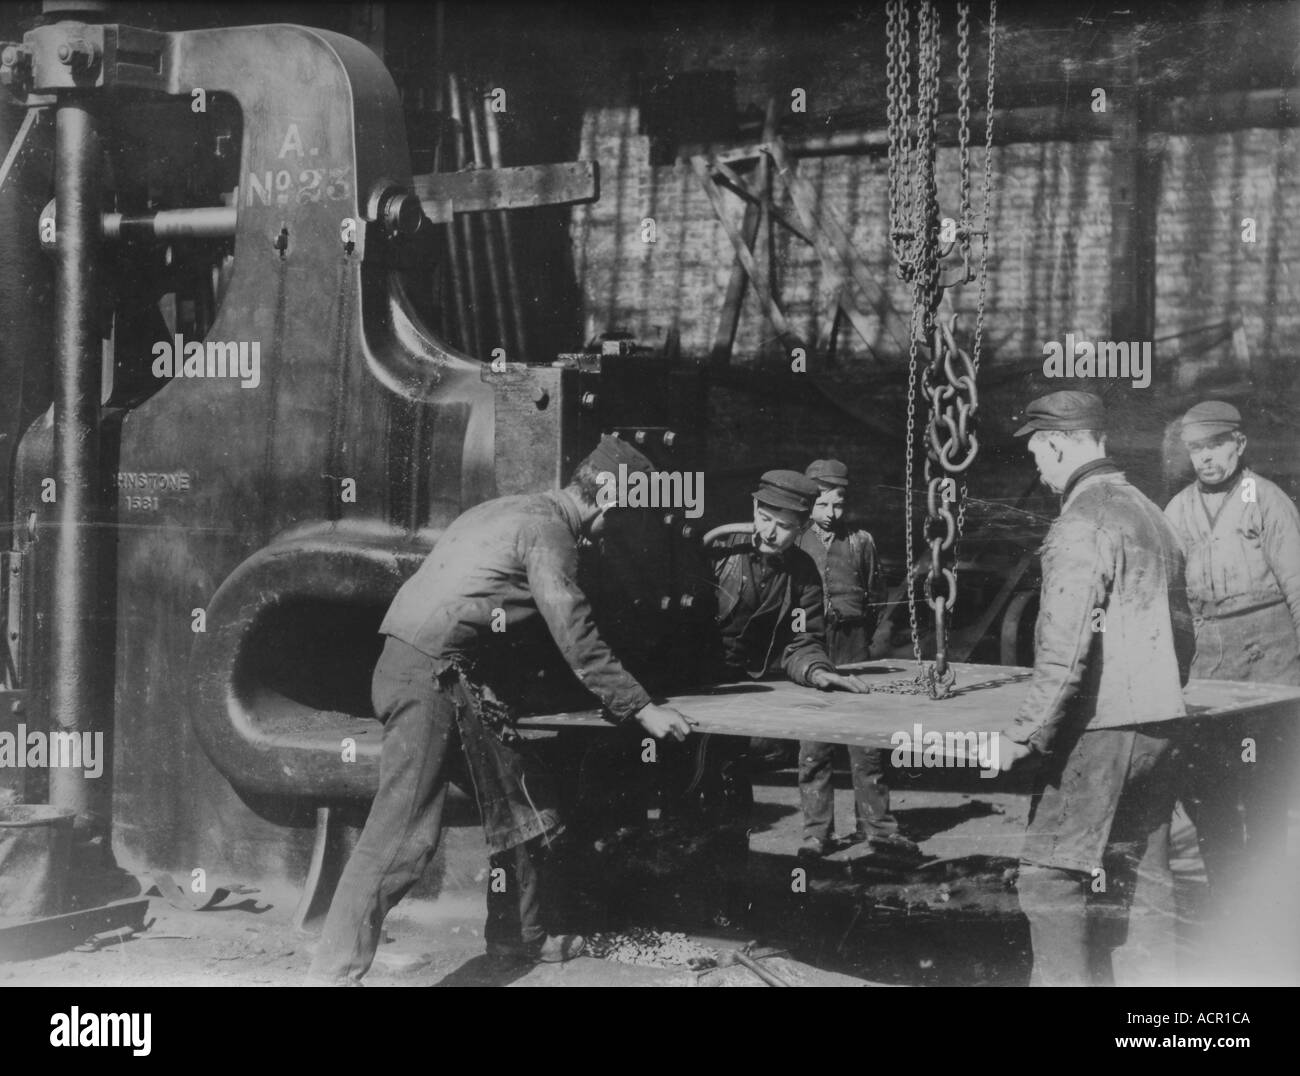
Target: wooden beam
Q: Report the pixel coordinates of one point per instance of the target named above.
(831, 238)
(729, 321)
(1243, 110)
(1134, 205)
(759, 278)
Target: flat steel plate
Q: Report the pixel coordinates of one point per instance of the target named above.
(985, 699)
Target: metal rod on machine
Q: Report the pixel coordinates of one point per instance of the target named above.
(475, 330)
(453, 313)
(519, 342)
(491, 230)
(76, 693)
(207, 222)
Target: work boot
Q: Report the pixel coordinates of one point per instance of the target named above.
(548, 949)
(811, 848)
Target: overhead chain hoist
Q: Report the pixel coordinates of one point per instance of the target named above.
(921, 241)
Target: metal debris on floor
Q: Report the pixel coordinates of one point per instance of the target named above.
(651, 948)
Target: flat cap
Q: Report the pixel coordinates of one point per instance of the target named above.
(787, 489)
(613, 451)
(1065, 410)
(828, 473)
(1208, 418)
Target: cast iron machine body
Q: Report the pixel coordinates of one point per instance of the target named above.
(207, 585)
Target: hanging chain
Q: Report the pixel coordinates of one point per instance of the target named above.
(907, 491)
(977, 346)
(896, 52)
(964, 222)
(976, 350)
(949, 378)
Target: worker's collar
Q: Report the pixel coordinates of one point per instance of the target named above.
(827, 534)
(567, 509)
(1227, 485)
(774, 559)
(1105, 465)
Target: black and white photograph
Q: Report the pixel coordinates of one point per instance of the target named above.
(769, 495)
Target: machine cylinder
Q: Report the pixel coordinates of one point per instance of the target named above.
(75, 691)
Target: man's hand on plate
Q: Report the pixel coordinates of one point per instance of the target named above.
(661, 721)
(829, 680)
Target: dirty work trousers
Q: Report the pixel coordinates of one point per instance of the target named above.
(431, 735)
(1239, 804)
(1095, 882)
(817, 793)
(847, 641)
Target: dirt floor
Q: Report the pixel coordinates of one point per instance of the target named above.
(849, 920)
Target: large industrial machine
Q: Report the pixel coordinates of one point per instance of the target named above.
(227, 435)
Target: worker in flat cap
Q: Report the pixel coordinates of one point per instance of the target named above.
(770, 608)
(1241, 535)
(1113, 642)
(462, 636)
(770, 615)
(852, 592)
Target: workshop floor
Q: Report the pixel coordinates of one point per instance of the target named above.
(954, 923)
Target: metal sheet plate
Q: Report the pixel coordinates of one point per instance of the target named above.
(985, 699)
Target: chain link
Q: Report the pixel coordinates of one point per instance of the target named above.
(977, 346)
(965, 223)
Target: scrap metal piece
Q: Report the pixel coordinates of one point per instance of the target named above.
(328, 858)
(104, 939)
(179, 897)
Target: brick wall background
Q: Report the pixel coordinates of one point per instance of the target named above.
(1049, 275)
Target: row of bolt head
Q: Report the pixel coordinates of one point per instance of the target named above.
(641, 436)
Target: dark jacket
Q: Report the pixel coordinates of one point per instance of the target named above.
(757, 600)
(852, 587)
(1112, 550)
(499, 592)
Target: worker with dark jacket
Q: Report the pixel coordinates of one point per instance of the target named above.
(1241, 535)
(771, 614)
(1113, 645)
(495, 598)
(852, 594)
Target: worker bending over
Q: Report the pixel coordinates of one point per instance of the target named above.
(493, 600)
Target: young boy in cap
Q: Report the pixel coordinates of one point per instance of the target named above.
(851, 586)
(1241, 535)
(448, 674)
(1113, 641)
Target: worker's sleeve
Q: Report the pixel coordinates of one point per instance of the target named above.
(1077, 572)
(1281, 543)
(551, 560)
(1174, 515)
(806, 651)
(1180, 613)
